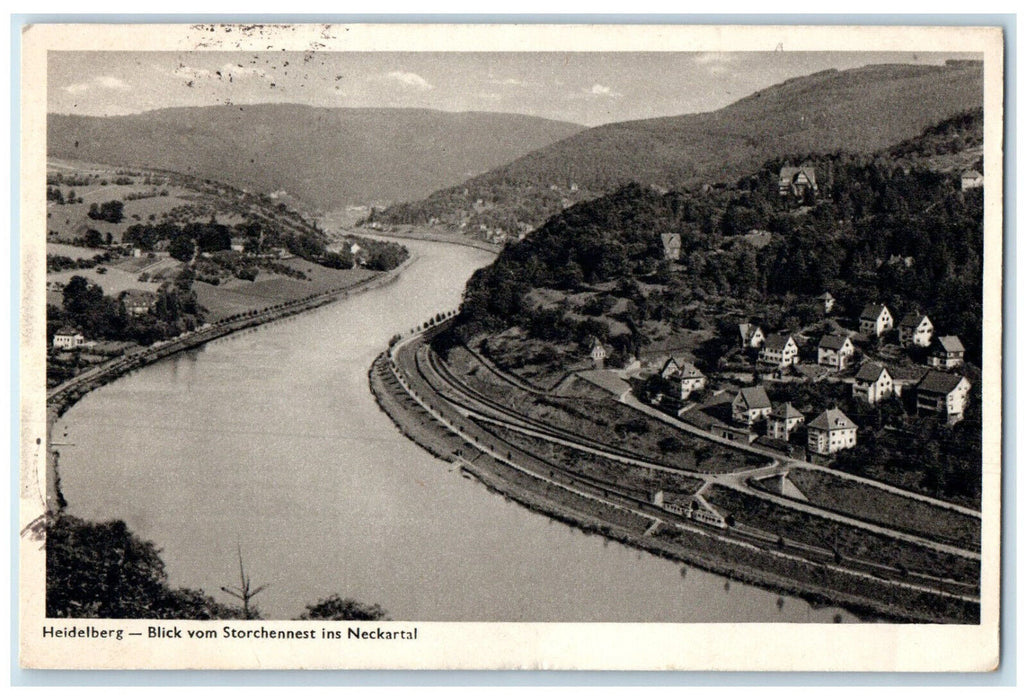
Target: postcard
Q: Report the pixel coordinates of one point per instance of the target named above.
(441, 346)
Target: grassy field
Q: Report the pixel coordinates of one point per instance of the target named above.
(606, 421)
(849, 542)
(113, 282)
(877, 506)
(74, 252)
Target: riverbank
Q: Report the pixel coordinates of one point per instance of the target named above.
(432, 236)
(819, 583)
(64, 396)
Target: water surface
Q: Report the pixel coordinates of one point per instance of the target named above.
(270, 440)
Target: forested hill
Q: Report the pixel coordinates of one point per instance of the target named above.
(883, 229)
(328, 158)
(857, 111)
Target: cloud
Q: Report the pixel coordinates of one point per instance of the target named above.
(715, 62)
(102, 82)
(597, 91)
(412, 80)
(506, 81)
(604, 91)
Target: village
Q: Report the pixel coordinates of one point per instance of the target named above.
(848, 365)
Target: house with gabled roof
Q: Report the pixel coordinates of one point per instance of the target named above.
(835, 351)
(915, 329)
(947, 351)
(970, 179)
(830, 432)
(750, 335)
(670, 368)
(943, 393)
(875, 319)
(671, 245)
(138, 302)
(873, 382)
(779, 350)
(751, 404)
(797, 181)
(827, 302)
(783, 420)
(692, 379)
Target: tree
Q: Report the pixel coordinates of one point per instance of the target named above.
(102, 570)
(182, 248)
(336, 608)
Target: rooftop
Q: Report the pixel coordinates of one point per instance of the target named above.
(755, 396)
(935, 382)
(871, 371)
(950, 343)
(833, 342)
(872, 311)
(832, 419)
(776, 341)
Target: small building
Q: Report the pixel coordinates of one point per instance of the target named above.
(238, 244)
(779, 350)
(915, 329)
(875, 320)
(830, 432)
(797, 181)
(943, 393)
(671, 245)
(733, 433)
(692, 379)
(783, 420)
(946, 352)
(598, 354)
(751, 335)
(873, 383)
(971, 179)
(827, 301)
(68, 338)
(671, 368)
(138, 302)
(750, 405)
(835, 351)
(693, 507)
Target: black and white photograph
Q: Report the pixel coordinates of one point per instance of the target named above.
(332, 335)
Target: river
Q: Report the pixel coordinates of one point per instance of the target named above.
(270, 441)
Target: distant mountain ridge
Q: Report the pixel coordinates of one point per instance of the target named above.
(860, 111)
(328, 157)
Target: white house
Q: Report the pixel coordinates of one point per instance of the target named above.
(944, 394)
(779, 350)
(971, 179)
(597, 353)
(835, 351)
(68, 338)
(946, 352)
(750, 405)
(691, 380)
(830, 432)
(783, 420)
(750, 335)
(827, 300)
(873, 383)
(875, 320)
(915, 329)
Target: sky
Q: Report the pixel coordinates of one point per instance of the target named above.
(581, 87)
